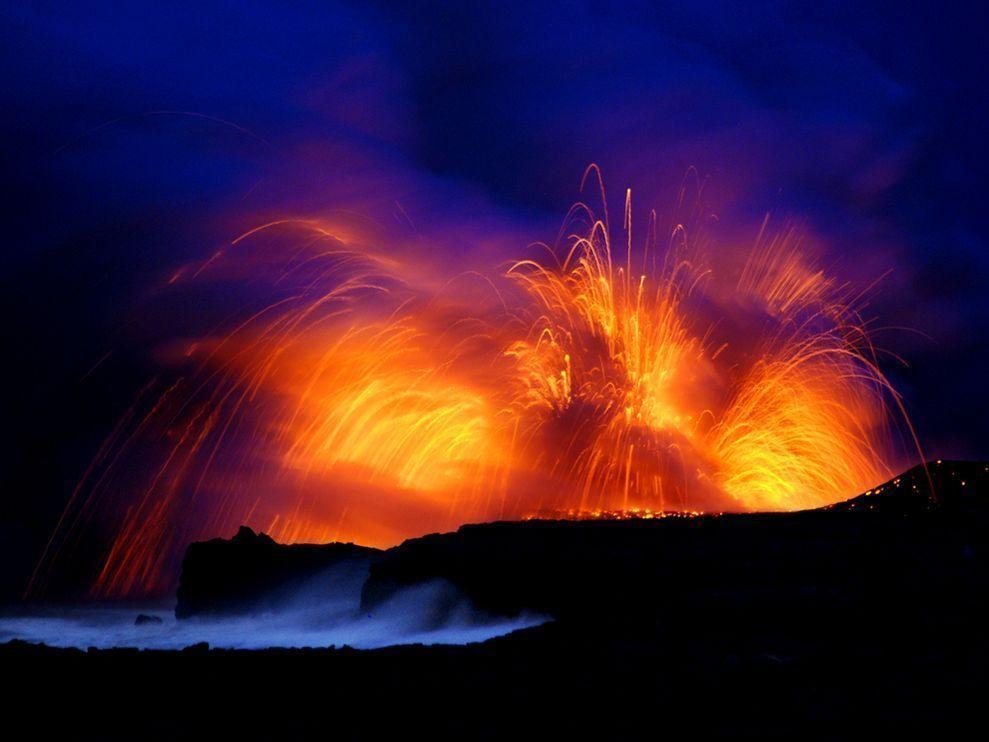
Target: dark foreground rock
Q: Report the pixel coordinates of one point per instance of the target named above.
(866, 620)
(925, 530)
(920, 676)
(250, 572)
(877, 553)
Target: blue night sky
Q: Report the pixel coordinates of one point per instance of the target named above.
(139, 135)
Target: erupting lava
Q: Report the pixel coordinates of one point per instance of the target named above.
(372, 398)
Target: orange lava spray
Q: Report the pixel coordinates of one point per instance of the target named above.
(374, 398)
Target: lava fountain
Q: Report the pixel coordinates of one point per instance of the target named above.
(371, 397)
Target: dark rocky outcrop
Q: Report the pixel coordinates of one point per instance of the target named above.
(143, 619)
(863, 620)
(879, 551)
(872, 554)
(251, 572)
(943, 486)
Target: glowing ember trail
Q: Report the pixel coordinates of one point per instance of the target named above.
(372, 398)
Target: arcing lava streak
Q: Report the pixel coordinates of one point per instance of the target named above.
(372, 398)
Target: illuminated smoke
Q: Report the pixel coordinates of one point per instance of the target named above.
(374, 397)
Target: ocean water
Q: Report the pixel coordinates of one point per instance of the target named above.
(427, 614)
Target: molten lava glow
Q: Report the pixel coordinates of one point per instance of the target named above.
(372, 398)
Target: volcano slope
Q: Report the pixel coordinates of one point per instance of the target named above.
(862, 618)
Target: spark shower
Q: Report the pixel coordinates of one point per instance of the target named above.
(374, 395)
